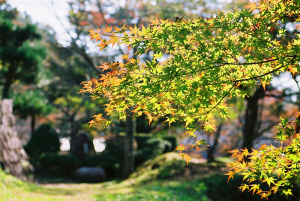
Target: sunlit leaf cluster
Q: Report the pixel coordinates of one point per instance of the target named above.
(278, 167)
(195, 64)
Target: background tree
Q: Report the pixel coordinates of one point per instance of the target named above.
(32, 103)
(21, 54)
(66, 70)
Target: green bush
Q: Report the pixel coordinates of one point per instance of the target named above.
(94, 160)
(58, 165)
(44, 140)
(109, 162)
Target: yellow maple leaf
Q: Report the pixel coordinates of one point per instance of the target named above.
(187, 158)
(264, 83)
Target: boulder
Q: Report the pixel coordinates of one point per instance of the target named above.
(90, 174)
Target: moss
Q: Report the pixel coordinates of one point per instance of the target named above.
(162, 167)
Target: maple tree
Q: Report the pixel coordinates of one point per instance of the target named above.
(85, 14)
(196, 66)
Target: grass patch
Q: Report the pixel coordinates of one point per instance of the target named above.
(158, 190)
(158, 179)
(159, 186)
(14, 189)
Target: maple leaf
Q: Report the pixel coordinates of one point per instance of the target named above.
(263, 146)
(292, 70)
(117, 29)
(125, 56)
(251, 6)
(98, 117)
(154, 22)
(274, 189)
(254, 187)
(150, 118)
(187, 158)
(230, 175)
(279, 171)
(102, 45)
(269, 180)
(180, 148)
(107, 29)
(113, 40)
(94, 35)
(264, 196)
(104, 67)
(264, 83)
(91, 123)
(244, 187)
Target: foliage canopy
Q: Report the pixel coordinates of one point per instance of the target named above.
(195, 66)
(21, 53)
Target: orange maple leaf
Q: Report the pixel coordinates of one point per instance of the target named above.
(262, 146)
(230, 175)
(292, 70)
(104, 67)
(251, 6)
(107, 29)
(94, 35)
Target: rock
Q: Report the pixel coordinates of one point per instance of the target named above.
(91, 174)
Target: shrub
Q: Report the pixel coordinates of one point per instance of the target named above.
(58, 165)
(106, 161)
(94, 160)
(44, 140)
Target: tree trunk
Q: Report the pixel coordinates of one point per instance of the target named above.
(32, 123)
(128, 146)
(8, 82)
(251, 118)
(211, 149)
(128, 164)
(72, 137)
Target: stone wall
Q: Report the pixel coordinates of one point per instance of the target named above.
(12, 154)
